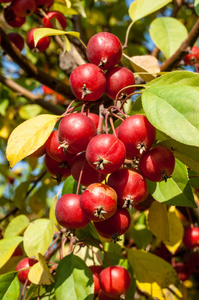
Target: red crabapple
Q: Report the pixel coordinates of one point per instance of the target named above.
(53, 16)
(157, 164)
(69, 213)
(104, 49)
(130, 186)
(75, 132)
(16, 39)
(88, 82)
(115, 226)
(99, 202)
(57, 169)
(191, 237)
(12, 19)
(115, 281)
(118, 78)
(193, 57)
(96, 270)
(23, 8)
(105, 153)
(137, 134)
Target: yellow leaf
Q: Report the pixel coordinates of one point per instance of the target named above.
(176, 232)
(158, 220)
(43, 32)
(28, 137)
(7, 247)
(39, 273)
(146, 64)
(154, 275)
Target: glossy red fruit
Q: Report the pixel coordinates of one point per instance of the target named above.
(102, 296)
(75, 132)
(52, 17)
(93, 117)
(130, 186)
(5, 1)
(23, 8)
(53, 148)
(105, 153)
(157, 164)
(88, 82)
(25, 263)
(96, 270)
(99, 202)
(115, 226)
(89, 174)
(39, 152)
(69, 213)
(191, 237)
(12, 19)
(104, 49)
(42, 45)
(16, 39)
(58, 170)
(137, 134)
(182, 270)
(118, 78)
(115, 281)
(193, 57)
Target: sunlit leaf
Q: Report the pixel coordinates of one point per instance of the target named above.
(167, 34)
(7, 247)
(16, 226)
(39, 273)
(38, 236)
(174, 111)
(74, 279)
(141, 8)
(29, 111)
(28, 137)
(158, 221)
(43, 32)
(176, 232)
(154, 275)
(9, 286)
(177, 189)
(196, 4)
(146, 64)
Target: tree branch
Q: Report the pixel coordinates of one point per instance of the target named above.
(30, 96)
(32, 70)
(174, 60)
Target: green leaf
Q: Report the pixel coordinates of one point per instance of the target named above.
(45, 292)
(3, 106)
(9, 286)
(177, 189)
(196, 4)
(29, 111)
(16, 226)
(158, 221)
(141, 8)
(167, 34)
(187, 154)
(70, 186)
(154, 275)
(175, 111)
(20, 194)
(74, 280)
(177, 78)
(38, 236)
(90, 235)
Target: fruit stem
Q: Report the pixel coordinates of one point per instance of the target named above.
(80, 177)
(112, 125)
(189, 217)
(101, 119)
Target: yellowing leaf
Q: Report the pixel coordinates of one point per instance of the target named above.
(176, 232)
(42, 32)
(141, 8)
(158, 221)
(154, 275)
(145, 63)
(28, 137)
(7, 247)
(40, 274)
(16, 226)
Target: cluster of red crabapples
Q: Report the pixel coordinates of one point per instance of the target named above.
(15, 14)
(77, 148)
